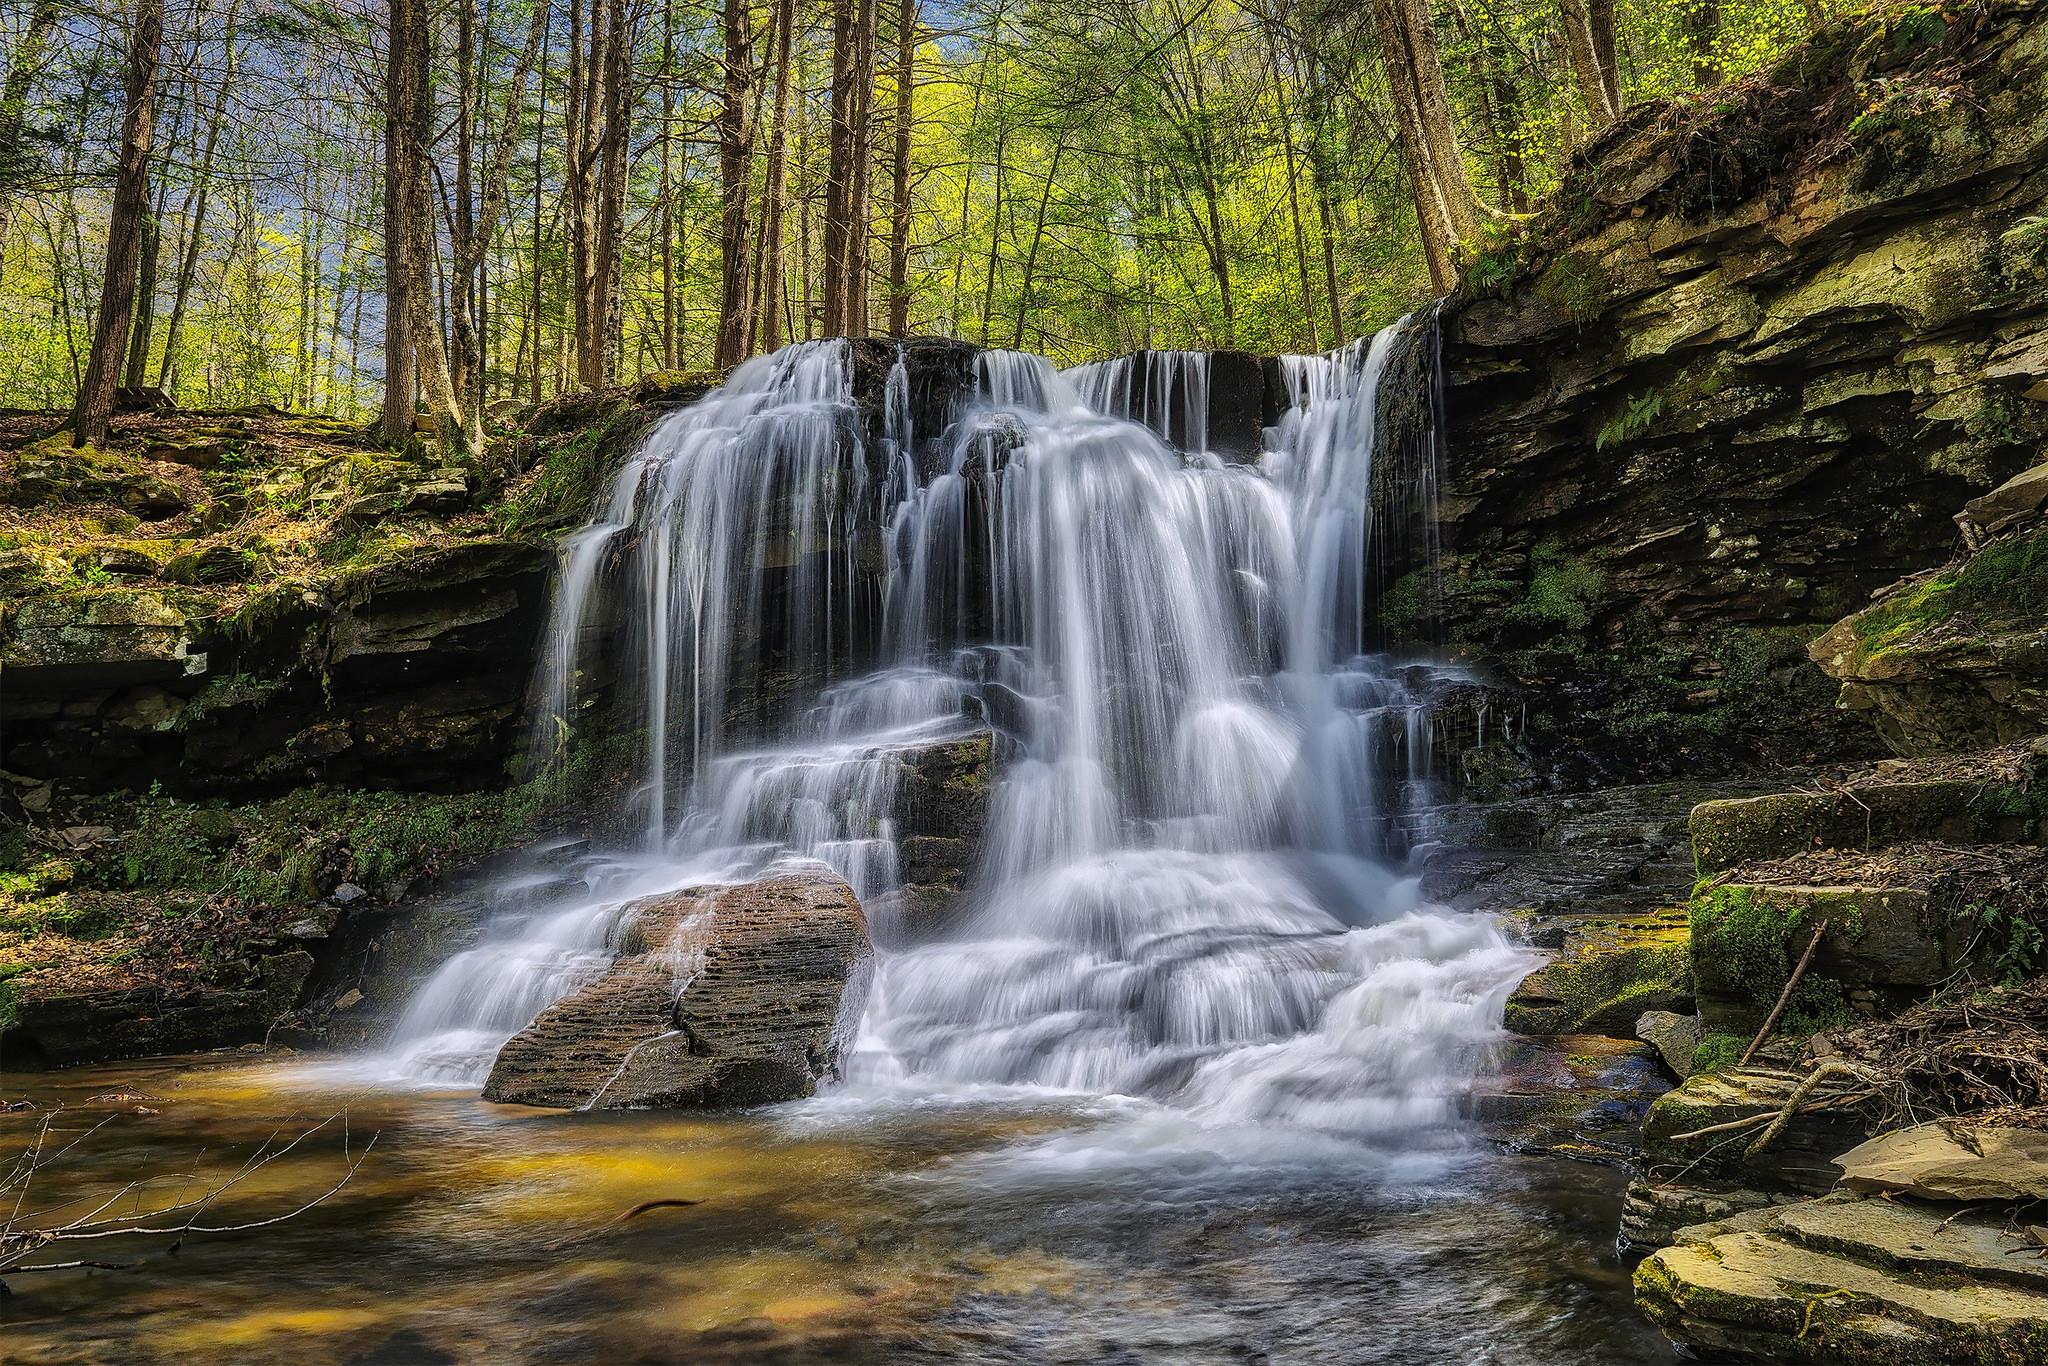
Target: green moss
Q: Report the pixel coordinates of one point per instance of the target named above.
(2005, 583)
(1748, 935)
(1716, 1052)
(1561, 592)
(565, 480)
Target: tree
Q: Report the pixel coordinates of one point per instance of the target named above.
(23, 65)
(1445, 205)
(735, 176)
(125, 227)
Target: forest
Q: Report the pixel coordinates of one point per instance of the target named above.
(265, 201)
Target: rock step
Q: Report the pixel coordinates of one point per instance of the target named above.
(1996, 797)
(1900, 922)
(1895, 1235)
(1760, 1294)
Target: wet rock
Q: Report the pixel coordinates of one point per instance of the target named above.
(1607, 974)
(1654, 1213)
(1581, 1097)
(1952, 1160)
(733, 997)
(1675, 1037)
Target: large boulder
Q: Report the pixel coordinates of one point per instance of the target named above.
(728, 996)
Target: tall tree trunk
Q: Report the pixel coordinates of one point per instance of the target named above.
(859, 198)
(1446, 206)
(145, 299)
(769, 270)
(1702, 36)
(1600, 24)
(401, 393)
(735, 177)
(24, 63)
(95, 404)
(1587, 74)
(410, 106)
(839, 166)
(665, 247)
(899, 185)
(1052, 172)
(192, 213)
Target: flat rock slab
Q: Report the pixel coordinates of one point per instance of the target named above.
(732, 996)
(1852, 1279)
(1942, 1161)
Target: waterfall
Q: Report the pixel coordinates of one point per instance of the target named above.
(1167, 391)
(1187, 890)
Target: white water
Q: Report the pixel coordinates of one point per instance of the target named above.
(1186, 891)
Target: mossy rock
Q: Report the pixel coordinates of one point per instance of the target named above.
(1870, 816)
(1607, 976)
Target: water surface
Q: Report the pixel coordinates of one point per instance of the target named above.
(984, 1226)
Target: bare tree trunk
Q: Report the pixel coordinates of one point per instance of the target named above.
(735, 167)
(767, 309)
(124, 231)
(192, 214)
(839, 166)
(410, 111)
(22, 68)
(1585, 60)
(899, 186)
(859, 206)
(145, 299)
(665, 226)
(1600, 24)
(1446, 206)
(401, 392)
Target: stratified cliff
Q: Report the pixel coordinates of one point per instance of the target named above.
(1739, 374)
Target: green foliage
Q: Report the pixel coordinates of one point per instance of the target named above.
(2012, 941)
(1577, 286)
(1638, 414)
(1562, 590)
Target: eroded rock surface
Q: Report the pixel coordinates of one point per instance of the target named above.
(732, 996)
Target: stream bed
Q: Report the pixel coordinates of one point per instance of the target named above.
(992, 1226)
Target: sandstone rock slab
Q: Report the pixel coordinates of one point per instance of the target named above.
(730, 996)
(1950, 1161)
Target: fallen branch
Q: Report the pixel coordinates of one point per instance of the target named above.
(1771, 1020)
(1833, 1067)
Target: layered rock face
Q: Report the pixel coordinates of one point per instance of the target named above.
(1957, 657)
(731, 996)
(1756, 355)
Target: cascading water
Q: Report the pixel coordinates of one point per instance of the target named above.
(1183, 892)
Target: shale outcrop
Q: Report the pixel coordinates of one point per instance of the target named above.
(1757, 350)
